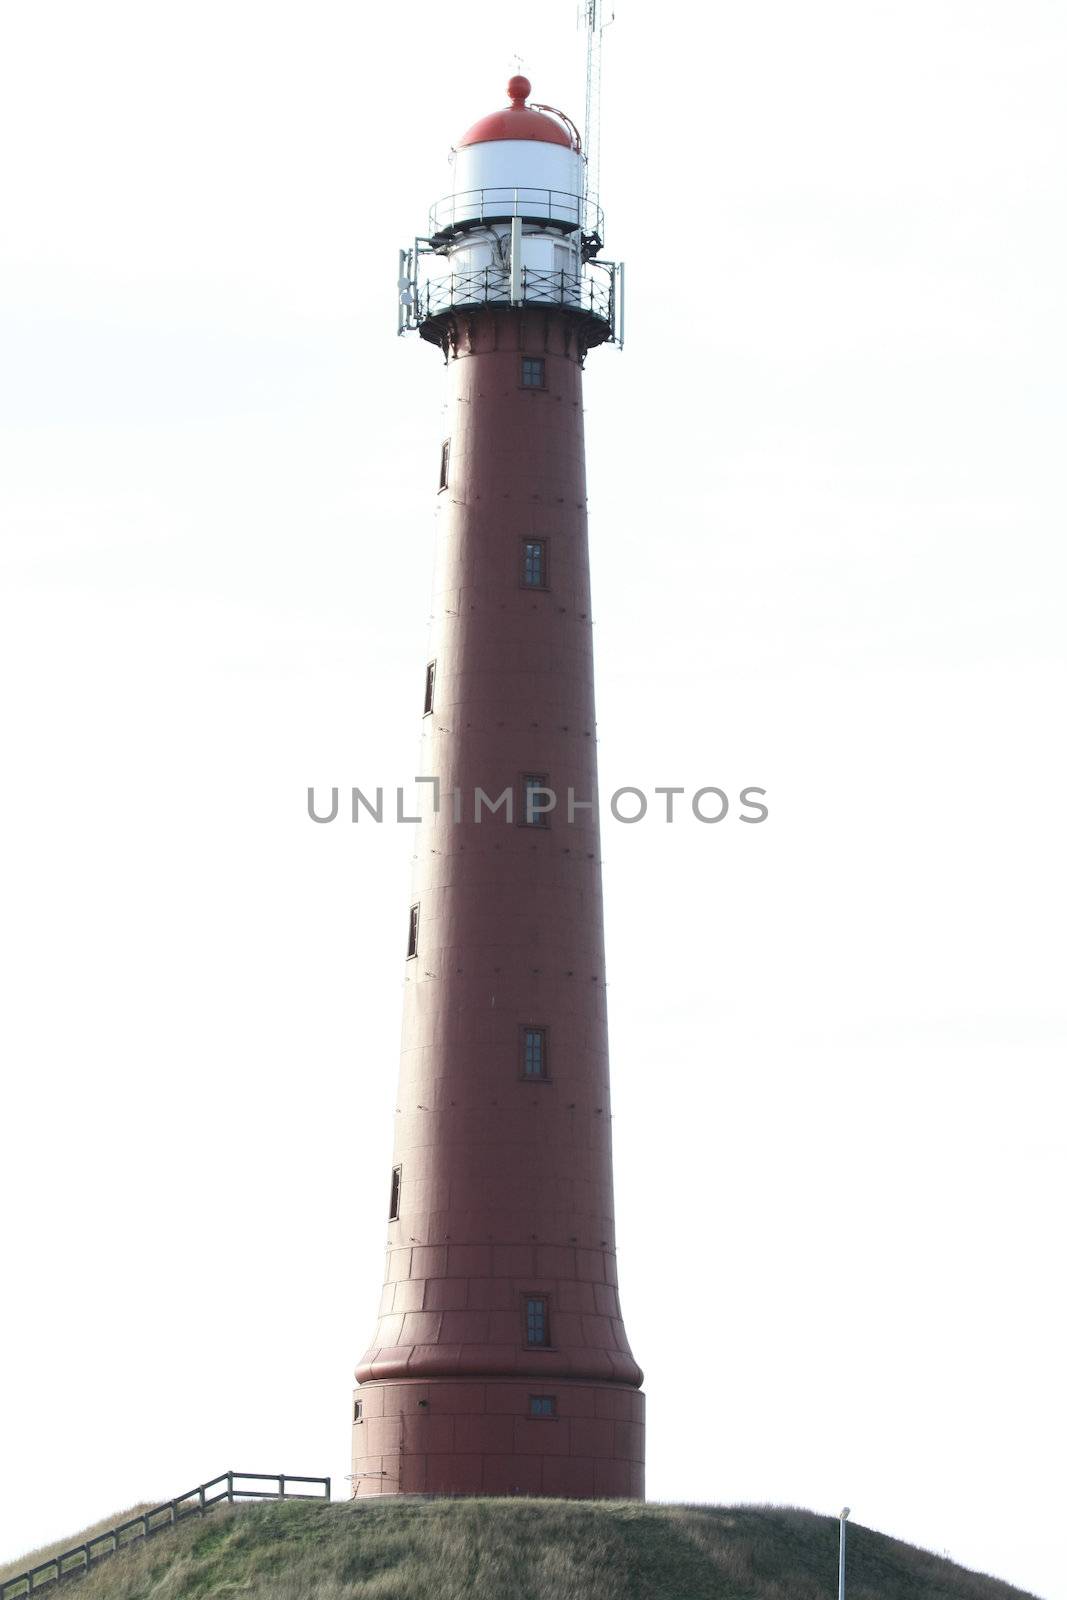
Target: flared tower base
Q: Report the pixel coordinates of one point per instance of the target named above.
(498, 1437)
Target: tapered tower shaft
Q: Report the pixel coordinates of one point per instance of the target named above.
(500, 1364)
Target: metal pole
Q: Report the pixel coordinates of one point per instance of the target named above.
(516, 255)
(841, 1556)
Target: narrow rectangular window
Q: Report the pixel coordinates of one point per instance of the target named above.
(534, 564)
(445, 450)
(431, 674)
(536, 1320)
(533, 372)
(542, 1405)
(413, 932)
(357, 1411)
(534, 1053)
(536, 800)
(394, 1195)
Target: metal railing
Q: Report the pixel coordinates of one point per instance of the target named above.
(576, 291)
(532, 204)
(77, 1561)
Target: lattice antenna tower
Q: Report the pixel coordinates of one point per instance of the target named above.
(591, 18)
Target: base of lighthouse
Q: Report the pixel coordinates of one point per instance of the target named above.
(460, 1437)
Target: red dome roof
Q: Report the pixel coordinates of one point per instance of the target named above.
(518, 121)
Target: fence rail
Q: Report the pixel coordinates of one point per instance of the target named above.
(458, 211)
(488, 285)
(80, 1558)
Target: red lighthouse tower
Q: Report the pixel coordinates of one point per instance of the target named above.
(500, 1364)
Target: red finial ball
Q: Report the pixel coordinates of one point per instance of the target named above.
(519, 89)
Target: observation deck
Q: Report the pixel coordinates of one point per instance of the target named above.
(593, 300)
(464, 262)
(552, 209)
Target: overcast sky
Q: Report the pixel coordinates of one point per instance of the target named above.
(826, 482)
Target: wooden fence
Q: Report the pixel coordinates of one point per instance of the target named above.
(80, 1558)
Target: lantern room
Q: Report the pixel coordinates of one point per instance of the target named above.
(517, 226)
(524, 156)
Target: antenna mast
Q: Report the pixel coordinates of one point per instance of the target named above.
(591, 12)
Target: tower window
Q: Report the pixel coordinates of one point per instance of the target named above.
(357, 1411)
(413, 932)
(536, 1320)
(431, 674)
(534, 1053)
(536, 795)
(394, 1195)
(445, 451)
(534, 564)
(542, 1405)
(533, 372)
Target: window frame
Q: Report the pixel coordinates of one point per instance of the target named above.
(552, 1415)
(395, 1182)
(537, 780)
(536, 588)
(446, 461)
(431, 686)
(545, 1076)
(542, 366)
(357, 1411)
(528, 1298)
(413, 930)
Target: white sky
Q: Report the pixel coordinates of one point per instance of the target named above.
(826, 502)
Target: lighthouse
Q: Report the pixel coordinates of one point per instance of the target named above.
(500, 1364)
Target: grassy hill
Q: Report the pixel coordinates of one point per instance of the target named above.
(519, 1550)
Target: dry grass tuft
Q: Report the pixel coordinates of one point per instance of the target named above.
(33, 1558)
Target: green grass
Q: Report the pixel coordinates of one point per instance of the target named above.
(34, 1558)
(520, 1550)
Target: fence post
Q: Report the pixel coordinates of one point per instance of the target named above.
(144, 1520)
(281, 1485)
(201, 1495)
(229, 1487)
(327, 1488)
